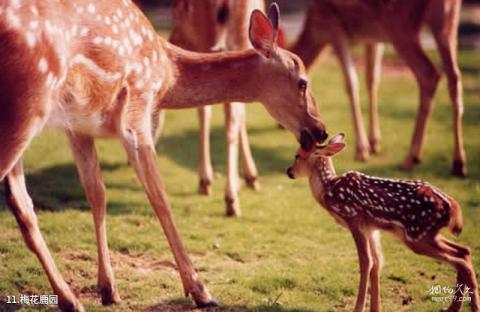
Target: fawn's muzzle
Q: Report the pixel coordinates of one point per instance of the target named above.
(290, 173)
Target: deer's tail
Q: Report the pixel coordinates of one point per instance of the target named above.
(455, 225)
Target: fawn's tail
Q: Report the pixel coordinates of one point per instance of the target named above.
(456, 219)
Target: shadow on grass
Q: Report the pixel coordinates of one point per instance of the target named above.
(183, 304)
(183, 147)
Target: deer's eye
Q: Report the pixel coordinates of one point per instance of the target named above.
(302, 85)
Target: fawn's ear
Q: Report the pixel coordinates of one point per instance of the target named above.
(263, 31)
(333, 148)
(338, 138)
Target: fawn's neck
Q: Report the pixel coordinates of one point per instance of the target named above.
(202, 79)
(323, 172)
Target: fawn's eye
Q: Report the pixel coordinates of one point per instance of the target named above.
(302, 85)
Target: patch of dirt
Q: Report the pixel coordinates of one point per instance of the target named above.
(140, 262)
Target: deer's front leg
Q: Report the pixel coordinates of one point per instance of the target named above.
(342, 49)
(250, 172)
(141, 154)
(89, 170)
(21, 206)
(365, 259)
(205, 168)
(232, 128)
(374, 54)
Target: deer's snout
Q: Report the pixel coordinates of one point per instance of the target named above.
(290, 173)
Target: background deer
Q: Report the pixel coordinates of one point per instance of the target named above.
(204, 26)
(414, 211)
(343, 23)
(98, 69)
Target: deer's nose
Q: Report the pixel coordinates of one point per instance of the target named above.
(320, 135)
(290, 173)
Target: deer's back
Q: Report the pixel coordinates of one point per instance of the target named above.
(80, 53)
(415, 206)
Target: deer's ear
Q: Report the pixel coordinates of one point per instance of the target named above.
(339, 138)
(333, 148)
(262, 34)
(274, 16)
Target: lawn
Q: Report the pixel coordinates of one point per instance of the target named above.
(285, 253)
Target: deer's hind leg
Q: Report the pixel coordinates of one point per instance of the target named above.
(89, 171)
(437, 248)
(443, 22)
(377, 259)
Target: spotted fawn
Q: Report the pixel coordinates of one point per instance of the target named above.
(414, 211)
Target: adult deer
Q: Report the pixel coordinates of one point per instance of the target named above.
(414, 211)
(204, 26)
(98, 69)
(343, 23)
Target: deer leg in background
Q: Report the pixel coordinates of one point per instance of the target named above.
(233, 112)
(21, 206)
(205, 168)
(444, 27)
(342, 49)
(250, 172)
(374, 54)
(86, 160)
(408, 46)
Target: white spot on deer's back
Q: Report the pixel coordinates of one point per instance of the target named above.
(98, 40)
(34, 10)
(34, 24)
(12, 19)
(115, 29)
(84, 32)
(31, 39)
(43, 65)
(91, 8)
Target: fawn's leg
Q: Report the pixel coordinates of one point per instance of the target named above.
(21, 206)
(407, 44)
(83, 148)
(250, 172)
(434, 247)
(374, 54)
(233, 116)
(205, 169)
(365, 260)
(444, 25)
(377, 257)
(342, 49)
(158, 122)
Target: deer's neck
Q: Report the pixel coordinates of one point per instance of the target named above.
(309, 45)
(202, 79)
(323, 173)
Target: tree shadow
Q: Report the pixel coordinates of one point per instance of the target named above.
(184, 304)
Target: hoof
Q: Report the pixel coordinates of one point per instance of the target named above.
(233, 207)
(205, 187)
(252, 183)
(410, 163)
(208, 304)
(375, 148)
(362, 155)
(459, 169)
(109, 296)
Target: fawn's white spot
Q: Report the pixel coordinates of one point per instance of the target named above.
(31, 39)
(34, 24)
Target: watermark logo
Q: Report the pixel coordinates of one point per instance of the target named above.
(32, 299)
(460, 292)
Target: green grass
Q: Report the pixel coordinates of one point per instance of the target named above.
(286, 253)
